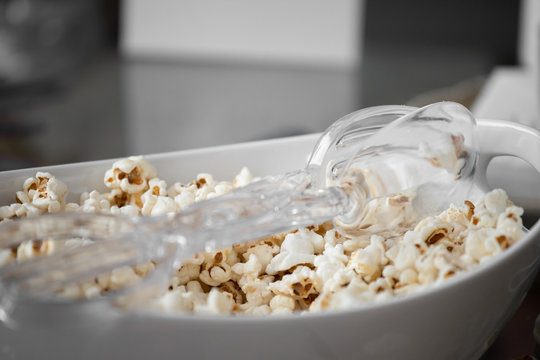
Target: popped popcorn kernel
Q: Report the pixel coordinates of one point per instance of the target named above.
(234, 289)
(155, 200)
(215, 270)
(123, 276)
(298, 284)
(250, 269)
(30, 249)
(8, 211)
(94, 202)
(186, 273)
(297, 248)
(90, 289)
(327, 267)
(73, 291)
(130, 175)
(282, 304)
(217, 302)
(257, 290)
(143, 270)
(178, 299)
(243, 178)
(257, 310)
(40, 194)
(184, 199)
(7, 256)
(205, 185)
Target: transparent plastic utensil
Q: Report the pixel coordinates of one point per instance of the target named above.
(428, 153)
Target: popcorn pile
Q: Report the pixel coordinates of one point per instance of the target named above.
(311, 269)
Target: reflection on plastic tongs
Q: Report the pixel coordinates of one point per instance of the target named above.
(422, 157)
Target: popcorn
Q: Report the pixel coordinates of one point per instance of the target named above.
(27, 209)
(30, 249)
(221, 188)
(8, 211)
(217, 302)
(368, 262)
(297, 248)
(281, 304)
(440, 156)
(311, 269)
(258, 310)
(257, 290)
(72, 291)
(90, 289)
(258, 257)
(233, 288)
(143, 270)
(331, 262)
(130, 175)
(94, 202)
(175, 300)
(205, 185)
(128, 210)
(215, 270)
(7, 257)
(431, 230)
(45, 192)
(155, 201)
(408, 276)
(122, 276)
(196, 292)
(186, 273)
(298, 285)
(404, 256)
(494, 202)
(184, 199)
(251, 268)
(243, 178)
(509, 226)
(381, 215)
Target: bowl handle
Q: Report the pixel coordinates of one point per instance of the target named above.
(505, 138)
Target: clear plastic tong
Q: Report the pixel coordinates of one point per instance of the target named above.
(428, 153)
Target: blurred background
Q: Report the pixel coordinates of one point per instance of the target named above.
(92, 79)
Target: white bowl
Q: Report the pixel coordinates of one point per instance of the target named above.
(457, 319)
